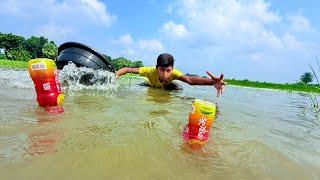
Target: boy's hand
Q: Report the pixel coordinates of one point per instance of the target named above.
(218, 83)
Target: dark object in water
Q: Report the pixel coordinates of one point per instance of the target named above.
(82, 56)
(90, 79)
(173, 86)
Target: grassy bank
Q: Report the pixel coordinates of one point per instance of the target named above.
(13, 64)
(286, 87)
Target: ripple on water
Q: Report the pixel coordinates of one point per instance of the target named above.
(12, 148)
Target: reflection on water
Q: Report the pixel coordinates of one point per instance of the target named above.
(157, 95)
(39, 139)
(134, 132)
(43, 139)
(42, 142)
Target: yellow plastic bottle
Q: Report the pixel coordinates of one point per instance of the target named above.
(45, 78)
(201, 119)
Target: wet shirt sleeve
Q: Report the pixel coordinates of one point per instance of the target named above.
(176, 74)
(144, 71)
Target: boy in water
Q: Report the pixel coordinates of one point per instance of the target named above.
(163, 74)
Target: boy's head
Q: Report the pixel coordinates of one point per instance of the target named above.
(165, 60)
(164, 66)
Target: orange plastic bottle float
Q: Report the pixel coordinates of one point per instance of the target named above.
(49, 93)
(196, 133)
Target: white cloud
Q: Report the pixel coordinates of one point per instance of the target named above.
(13, 7)
(54, 10)
(227, 20)
(62, 16)
(174, 30)
(248, 33)
(96, 10)
(150, 45)
(291, 42)
(126, 39)
(299, 23)
(142, 49)
(52, 31)
(259, 9)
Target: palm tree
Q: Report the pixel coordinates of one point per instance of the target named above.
(306, 78)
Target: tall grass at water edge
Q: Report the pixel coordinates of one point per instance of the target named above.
(313, 98)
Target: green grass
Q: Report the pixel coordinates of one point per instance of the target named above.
(13, 64)
(266, 85)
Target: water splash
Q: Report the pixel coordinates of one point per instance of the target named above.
(78, 78)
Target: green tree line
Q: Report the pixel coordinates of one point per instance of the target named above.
(121, 62)
(14, 47)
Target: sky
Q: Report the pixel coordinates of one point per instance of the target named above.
(260, 40)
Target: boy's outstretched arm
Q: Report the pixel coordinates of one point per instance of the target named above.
(126, 70)
(218, 83)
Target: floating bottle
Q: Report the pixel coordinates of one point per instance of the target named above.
(44, 75)
(200, 121)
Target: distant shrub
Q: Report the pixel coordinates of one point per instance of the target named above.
(18, 54)
(50, 50)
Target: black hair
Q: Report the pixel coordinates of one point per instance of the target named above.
(165, 60)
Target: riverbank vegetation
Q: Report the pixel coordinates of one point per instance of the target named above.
(310, 88)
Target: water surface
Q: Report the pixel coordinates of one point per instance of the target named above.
(127, 131)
